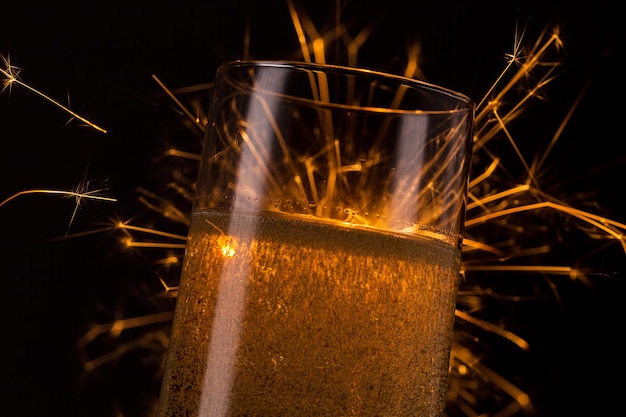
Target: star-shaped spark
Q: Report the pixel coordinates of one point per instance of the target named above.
(10, 73)
(83, 191)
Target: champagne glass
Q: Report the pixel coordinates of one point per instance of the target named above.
(323, 254)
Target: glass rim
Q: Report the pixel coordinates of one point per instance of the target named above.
(467, 104)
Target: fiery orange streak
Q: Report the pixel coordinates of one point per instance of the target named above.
(504, 129)
(133, 244)
(525, 69)
(125, 226)
(548, 269)
(299, 31)
(469, 244)
(61, 192)
(170, 211)
(11, 78)
(170, 260)
(114, 329)
(492, 328)
(521, 399)
(485, 175)
(480, 202)
(482, 138)
(356, 43)
(598, 221)
(117, 326)
(180, 105)
(183, 154)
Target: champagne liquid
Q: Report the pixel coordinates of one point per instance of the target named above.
(283, 317)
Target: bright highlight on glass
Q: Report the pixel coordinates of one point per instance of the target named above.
(324, 248)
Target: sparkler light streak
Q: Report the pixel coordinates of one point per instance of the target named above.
(77, 195)
(516, 228)
(10, 75)
(11, 72)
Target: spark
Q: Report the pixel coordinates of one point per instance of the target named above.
(482, 201)
(77, 195)
(521, 400)
(485, 131)
(134, 244)
(470, 244)
(129, 242)
(183, 154)
(82, 189)
(169, 289)
(170, 260)
(513, 58)
(180, 105)
(545, 269)
(11, 72)
(114, 329)
(163, 206)
(611, 227)
(297, 23)
(510, 336)
(81, 192)
(513, 144)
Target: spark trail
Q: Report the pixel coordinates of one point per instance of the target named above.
(11, 73)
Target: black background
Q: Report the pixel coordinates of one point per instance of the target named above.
(101, 56)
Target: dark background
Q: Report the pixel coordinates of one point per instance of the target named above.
(101, 55)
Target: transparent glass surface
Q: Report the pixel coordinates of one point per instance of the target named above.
(322, 261)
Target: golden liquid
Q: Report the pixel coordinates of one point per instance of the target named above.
(282, 317)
